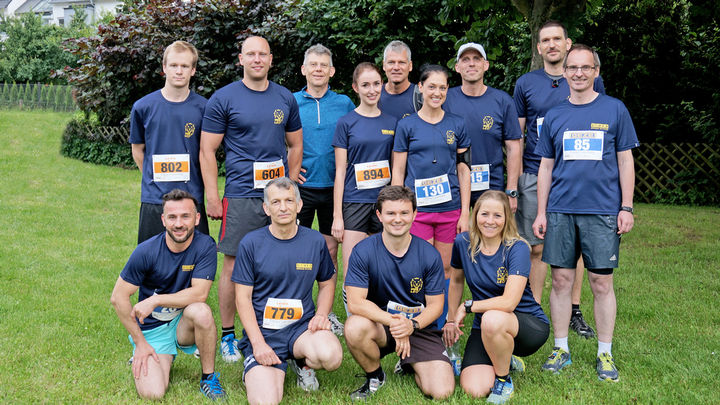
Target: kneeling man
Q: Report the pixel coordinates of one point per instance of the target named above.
(274, 273)
(395, 292)
(173, 271)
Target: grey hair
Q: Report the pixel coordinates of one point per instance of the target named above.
(284, 183)
(583, 47)
(318, 49)
(397, 46)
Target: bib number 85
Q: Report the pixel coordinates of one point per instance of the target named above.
(582, 144)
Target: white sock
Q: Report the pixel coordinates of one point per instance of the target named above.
(562, 343)
(604, 348)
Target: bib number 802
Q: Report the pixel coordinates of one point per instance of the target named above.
(170, 167)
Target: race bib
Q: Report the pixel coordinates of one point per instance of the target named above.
(583, 145)
(166, 314)
(372, 174)
(408, 312)
(264, 172)
(539, 123)
(479, 177)
(281, 312)
(171, 167)
(434, 190)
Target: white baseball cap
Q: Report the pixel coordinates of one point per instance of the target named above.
(471, 45)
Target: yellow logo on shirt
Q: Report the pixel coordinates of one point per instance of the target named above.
(487, 122)
(502, 275)
(599, 126)
(450, 136)
(188, 267)
(303, 266)
(416, 285)
(278, 116)
(189, 129)
(388, 131)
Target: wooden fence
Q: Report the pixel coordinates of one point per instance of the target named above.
(675, 167)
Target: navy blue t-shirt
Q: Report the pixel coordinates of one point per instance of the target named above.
(431, 152)
(490, 120)
(157, 270)
(254, 124)
(584, 141)
(486, 277)
(282, 269)
(534, 95)
(168, 128)
(398, 105)
(367, 140)
(403, 280)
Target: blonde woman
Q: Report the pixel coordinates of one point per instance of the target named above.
(495, 262)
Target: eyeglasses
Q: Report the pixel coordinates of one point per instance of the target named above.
(585, 69)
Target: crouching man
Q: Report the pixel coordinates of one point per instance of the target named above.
(395, 291)
(173, 271)
(275, 269)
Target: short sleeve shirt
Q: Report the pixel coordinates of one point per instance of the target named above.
(277, 268)
(168, 128)
(398, 105)
(584, 141)
(157, 270)
(431, 152)
(490, 120)
(254, 124)
(486, 277)
(367, 140)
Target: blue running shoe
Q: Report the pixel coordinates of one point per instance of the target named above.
(517, 365)
(606, 369)
(501, 391)
(229, 348)
(558, 359)
(211, 387)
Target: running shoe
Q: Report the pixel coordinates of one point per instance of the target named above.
(558, 359)
(229, 348)
(578, 324)
(370, 387)
(211, 387)
(335, 325)
(606, 369)
(306, 378)
(517, 365)
(501, 391)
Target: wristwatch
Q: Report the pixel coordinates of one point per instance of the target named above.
(511, 193)
(468, 306)
(626, 208)
(415, 325)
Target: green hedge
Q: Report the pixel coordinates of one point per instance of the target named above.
(90, 142)
(87, 142)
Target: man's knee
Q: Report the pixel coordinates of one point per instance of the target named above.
(152, 392)
(493, 322)
(200, 314)
(536, 252)
(357, 329)
(562, 279)
(600, 284)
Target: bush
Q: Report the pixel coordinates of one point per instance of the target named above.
(89, 142)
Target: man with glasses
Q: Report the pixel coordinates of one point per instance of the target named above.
(585, 201)
(535, 93)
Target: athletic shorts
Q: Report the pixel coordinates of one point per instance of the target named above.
(280, 340)
(527, 208)
(318, 200)
(361, 217)
(439, 226)
(532, 334)
(240, 216)
(570, 234)
(151, 221)
(425, 345)
(164, 339)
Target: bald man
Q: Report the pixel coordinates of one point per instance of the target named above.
(254, 119)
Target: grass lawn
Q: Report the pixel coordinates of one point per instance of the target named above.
(68, 228)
